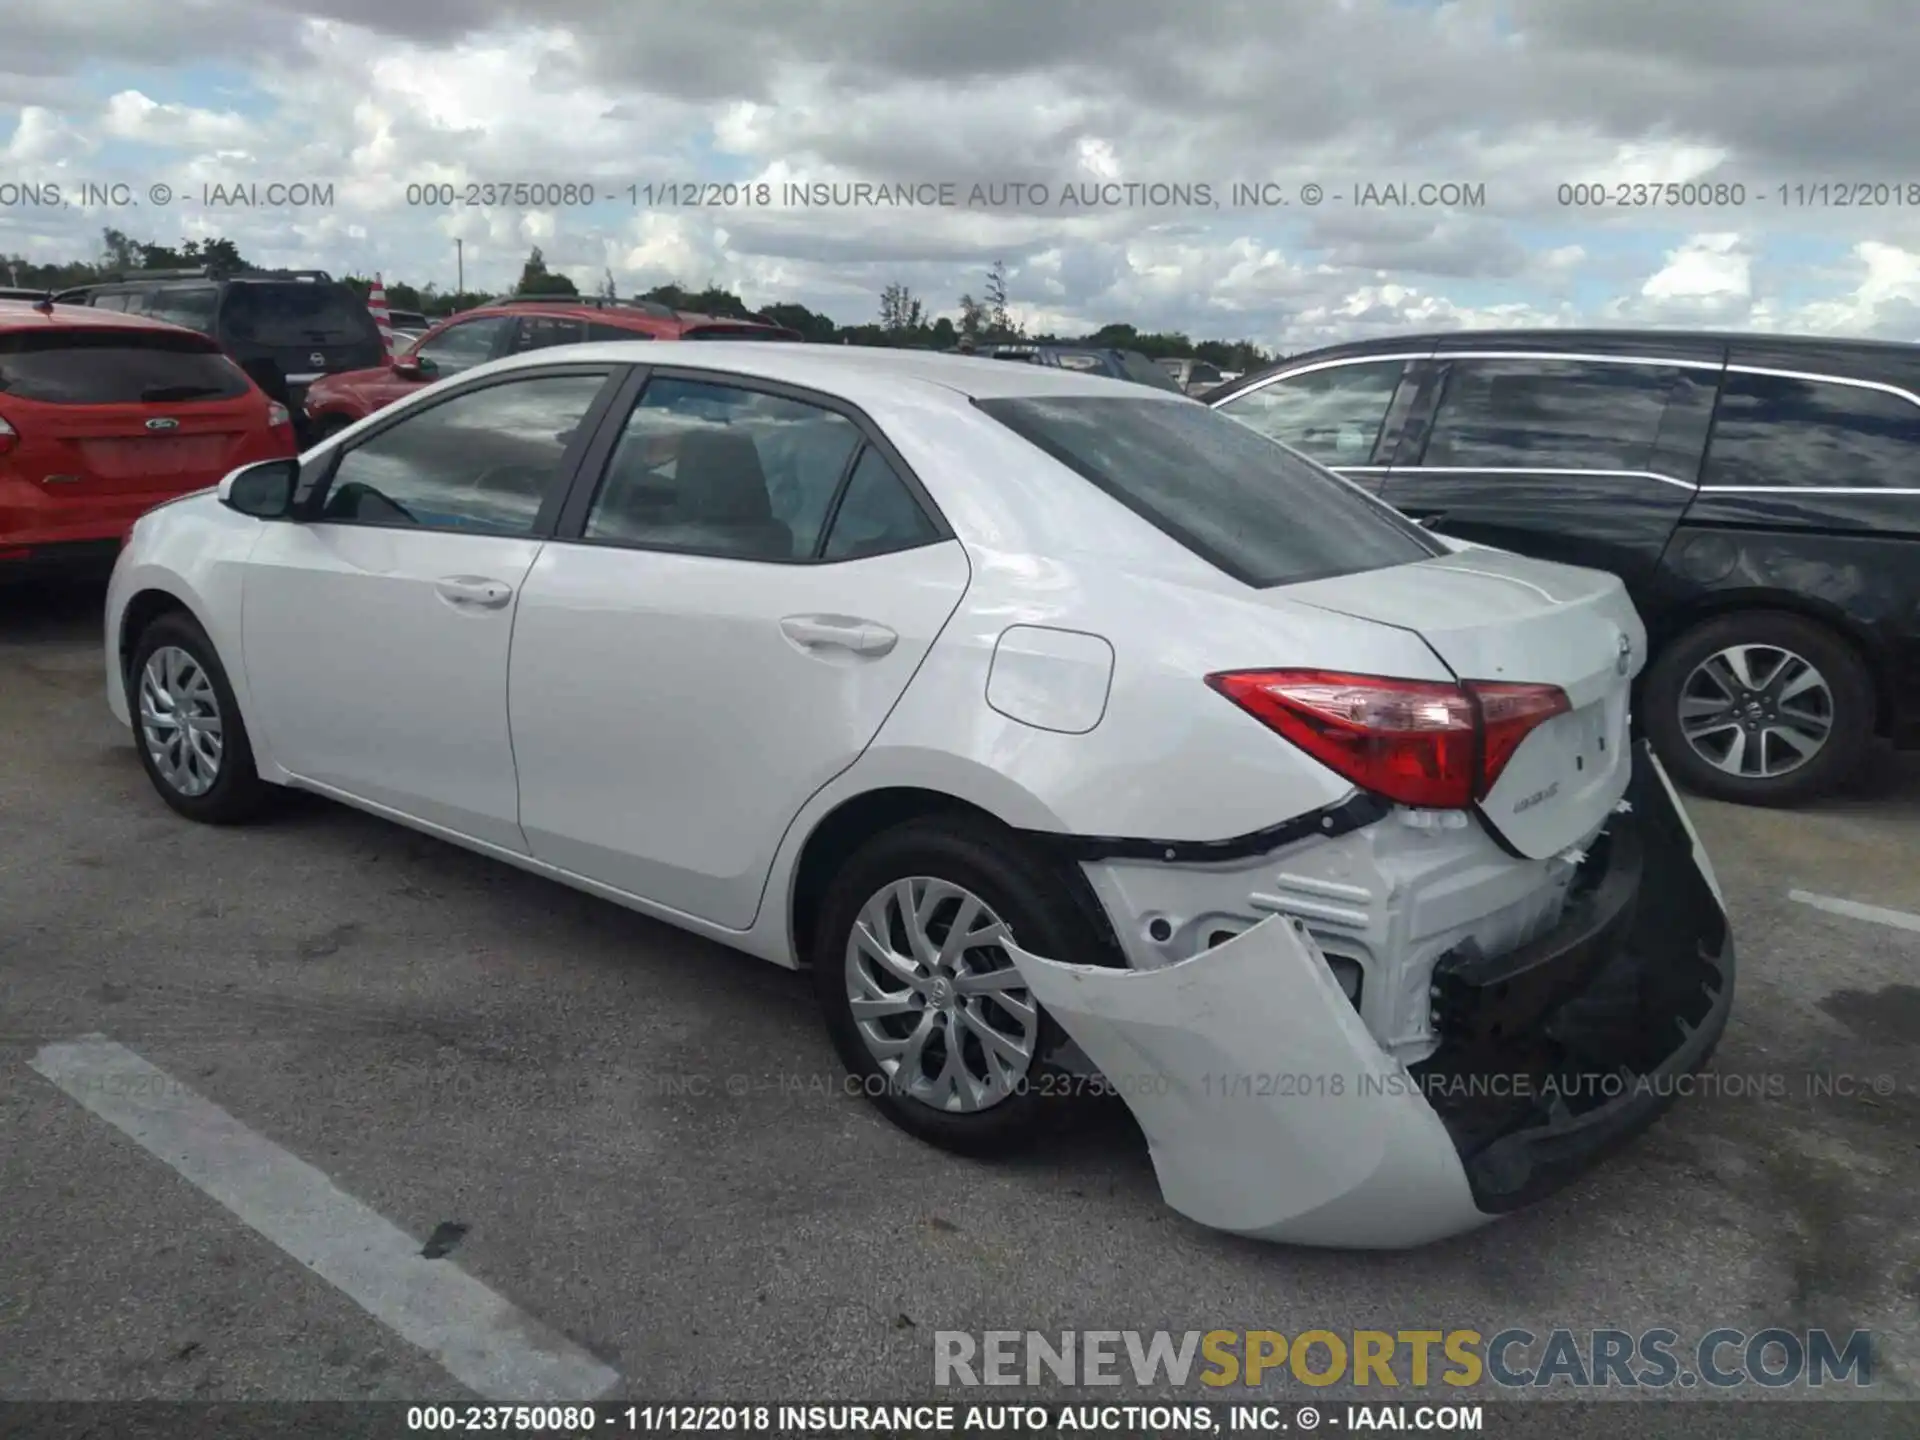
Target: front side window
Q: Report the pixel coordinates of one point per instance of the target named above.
(481, 462)
(1246, 505)
(1771, 431)
(1551, 415)
(1332, 415)
(464, 344)
(723, 471)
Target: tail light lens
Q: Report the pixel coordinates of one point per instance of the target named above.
(278, 414)
(9, 437)
(1418, 742)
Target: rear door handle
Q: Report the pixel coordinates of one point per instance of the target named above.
(474, 590)
(839, 632)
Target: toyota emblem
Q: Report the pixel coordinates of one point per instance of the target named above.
(316, 358)
(163, 424)
(1625, 662)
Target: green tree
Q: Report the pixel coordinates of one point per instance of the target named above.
(536, 279)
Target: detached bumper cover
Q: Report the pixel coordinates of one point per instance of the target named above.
(1270, 1110)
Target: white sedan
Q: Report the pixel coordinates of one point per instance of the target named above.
(1074, 735)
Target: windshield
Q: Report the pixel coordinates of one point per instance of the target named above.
(297, 313)
(114, 367)
(1246, 504)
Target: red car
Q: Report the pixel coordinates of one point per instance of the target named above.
(105, 415)
(511, 325)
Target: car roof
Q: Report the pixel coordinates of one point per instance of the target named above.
(22, 315)
(1601, 339)
(848, 368)
(626, 319)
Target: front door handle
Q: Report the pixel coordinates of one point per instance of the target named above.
(474, 590)
(839, 632)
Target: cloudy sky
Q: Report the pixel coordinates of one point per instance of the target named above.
(1799, 116)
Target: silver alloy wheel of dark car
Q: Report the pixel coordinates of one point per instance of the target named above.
(180, 721)
(1756, 711)
(937, 999)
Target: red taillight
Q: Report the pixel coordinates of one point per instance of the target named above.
(9, 437)
(1508, 714)
(1419, 742)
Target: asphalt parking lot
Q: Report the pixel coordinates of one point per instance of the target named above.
(637, 1138)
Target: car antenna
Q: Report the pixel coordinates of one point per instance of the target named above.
(45, 303)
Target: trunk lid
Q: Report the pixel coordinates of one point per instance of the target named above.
(1492, 615)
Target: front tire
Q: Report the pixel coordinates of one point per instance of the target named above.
(1760, 707)
(187, 726)
(937, 1031)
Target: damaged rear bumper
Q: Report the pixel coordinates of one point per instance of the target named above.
(1271, 1111)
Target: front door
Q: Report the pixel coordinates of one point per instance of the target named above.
(376, 635)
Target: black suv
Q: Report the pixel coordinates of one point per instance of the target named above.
(285, 328)
(1759, 496)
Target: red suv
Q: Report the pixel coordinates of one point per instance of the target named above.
(102, 417)
(511, 325)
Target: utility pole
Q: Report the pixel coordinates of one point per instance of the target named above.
(459, 267)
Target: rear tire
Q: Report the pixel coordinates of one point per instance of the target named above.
(187, 726)
(992, 1096)
(1760, 707)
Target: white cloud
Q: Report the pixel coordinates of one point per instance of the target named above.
(1520, 96)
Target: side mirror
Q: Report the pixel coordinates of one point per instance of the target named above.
(263, 490)
(415, 367)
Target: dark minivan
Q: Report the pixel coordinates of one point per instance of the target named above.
(1759, 496)
(285, 328)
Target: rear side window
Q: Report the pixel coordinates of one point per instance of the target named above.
(1332, 415)
(537, 332)
(297, 313)
(598, 331)
(1550, 414)
(1254, 509)
(719, 470)
(114, 367)
(188, 305)
(877, 515)
(735, 332)
(1772, 431)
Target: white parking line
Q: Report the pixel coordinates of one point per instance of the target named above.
(1854, 910)
(481, 1339)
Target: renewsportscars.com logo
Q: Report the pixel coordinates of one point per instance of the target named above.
(1512, 1358)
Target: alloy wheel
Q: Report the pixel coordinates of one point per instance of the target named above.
(1756, 711)
(180, 720)
(936, 997)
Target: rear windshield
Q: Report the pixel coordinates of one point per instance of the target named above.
(1242, 502)
(114, 367)
(738, 332)
(296, 313)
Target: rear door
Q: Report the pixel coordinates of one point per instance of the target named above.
(1347, 413)
(743, 582)
(1589, 459)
